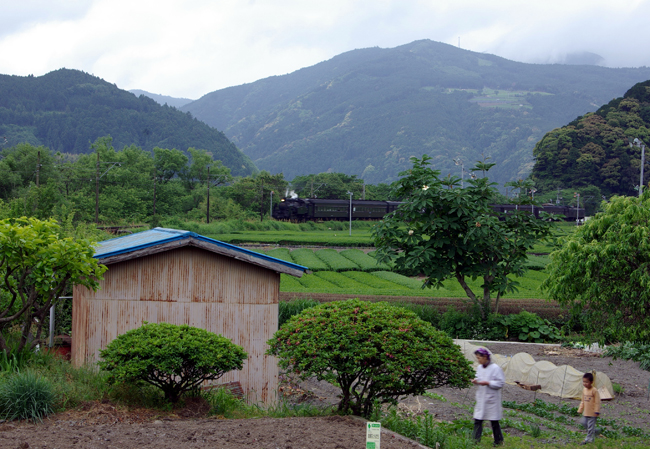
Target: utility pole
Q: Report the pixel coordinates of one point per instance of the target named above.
(38, 173)
(364, 190)
(97, 191)
(350, 193)
(271, 205)
(155, 178)
(262, 201)
(577, 195)
(207, 211)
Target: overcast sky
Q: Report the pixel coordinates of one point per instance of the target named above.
(193, 47)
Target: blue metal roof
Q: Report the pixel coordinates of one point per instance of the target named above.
(158, 236)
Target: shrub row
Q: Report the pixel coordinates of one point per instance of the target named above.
(307, 258)
(341, 281)
(280, 253)
(364, 261)
(399, 279)
(335, 261)
(371, 280)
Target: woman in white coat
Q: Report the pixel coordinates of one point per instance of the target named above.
(490, 380)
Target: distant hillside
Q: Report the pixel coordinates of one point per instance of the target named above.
(365, 112)
(162, 99)
(67, 110)
(594, 149)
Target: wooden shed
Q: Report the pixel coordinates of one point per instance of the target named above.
(180, 277)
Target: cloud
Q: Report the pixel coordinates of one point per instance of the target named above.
(187, 49)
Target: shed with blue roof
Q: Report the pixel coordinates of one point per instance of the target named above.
(180, 277)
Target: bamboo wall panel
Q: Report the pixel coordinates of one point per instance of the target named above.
(186, 286)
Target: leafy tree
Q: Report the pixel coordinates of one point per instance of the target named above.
(373, 351)
(176, 359)
(604, 267)
(443, 232)
(36, 267)
(328, 186)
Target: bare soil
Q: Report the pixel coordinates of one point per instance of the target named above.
(104, 425)
(631, 407)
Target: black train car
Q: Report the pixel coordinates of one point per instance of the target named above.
(306, 209)
(570, 213)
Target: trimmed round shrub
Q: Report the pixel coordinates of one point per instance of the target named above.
(176, 359)
(373, 351)
(24, 395)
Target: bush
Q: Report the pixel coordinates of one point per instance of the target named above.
(24, 395)
(336, 261)
(176, 359)
(399, 279)
(365, 262)
(373, 351)
(529, 327)
(290, 308)
(307, 258)
(638, 352)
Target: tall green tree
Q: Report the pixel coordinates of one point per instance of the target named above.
(36, 268)
(447, 232)
(604, 268)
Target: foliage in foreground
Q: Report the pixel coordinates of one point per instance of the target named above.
(36, 268)
(25, 395)
(452, 233)
(176, 359)
(605, 267)
(637, 352)
(373, 351)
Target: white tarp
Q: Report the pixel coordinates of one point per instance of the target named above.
(563, 381)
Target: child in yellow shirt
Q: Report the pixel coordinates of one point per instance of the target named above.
(589, 406)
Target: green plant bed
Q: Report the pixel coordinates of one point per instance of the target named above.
(315, 238)
(342, 281)
(404, 281)
(371, 281)
(307, 258)
(280, 253)
(314, 283)
(363, 260)
(290, 283)
(335, 261)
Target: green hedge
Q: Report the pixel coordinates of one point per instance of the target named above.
(363, 260)
(335, 261)
(372, 281)
(280, 253)
(317, 284)
(307, 258)
(399, 279)
(291, 284)
(342, 281)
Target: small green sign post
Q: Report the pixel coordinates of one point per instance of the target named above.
(373, 435)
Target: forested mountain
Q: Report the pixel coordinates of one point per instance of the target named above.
(595, 149)
(162, 99)
(365, 112)
(66, 110)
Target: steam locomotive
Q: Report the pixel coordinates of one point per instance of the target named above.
(307, 209)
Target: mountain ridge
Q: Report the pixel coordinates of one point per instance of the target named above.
(66, 110)
(366, 111)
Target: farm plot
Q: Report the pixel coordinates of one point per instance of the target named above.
(363, 260)
(307, 258)
(280, 253)
(336, 261)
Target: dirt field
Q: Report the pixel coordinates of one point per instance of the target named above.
(101, 425)
(631, 408)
